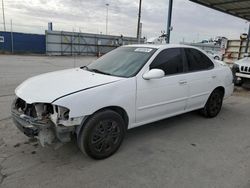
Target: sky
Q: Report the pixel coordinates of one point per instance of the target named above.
(191, 22)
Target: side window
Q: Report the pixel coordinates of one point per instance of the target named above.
(196, 60)
(169, 60)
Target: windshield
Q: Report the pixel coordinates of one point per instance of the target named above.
(123, 61)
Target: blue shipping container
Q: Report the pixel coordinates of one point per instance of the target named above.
(22, 43)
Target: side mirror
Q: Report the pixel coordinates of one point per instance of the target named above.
(154, 74)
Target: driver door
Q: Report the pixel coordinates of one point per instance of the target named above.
(163, 97)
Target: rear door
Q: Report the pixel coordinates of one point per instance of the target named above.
(200, 78)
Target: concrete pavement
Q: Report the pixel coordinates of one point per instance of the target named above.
(183, 151)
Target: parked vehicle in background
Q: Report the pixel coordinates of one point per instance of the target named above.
(157, 40)
(243, 36)
(214, 55)
(241, 70)
(218, 41)
(126, 88)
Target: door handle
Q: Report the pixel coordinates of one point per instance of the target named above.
(213, 76)
(182, 82)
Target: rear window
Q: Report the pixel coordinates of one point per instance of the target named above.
(196, 60)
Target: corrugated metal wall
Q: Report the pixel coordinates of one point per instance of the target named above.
(22, 43)
(71, 43)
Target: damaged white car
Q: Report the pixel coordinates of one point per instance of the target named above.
(128, 87)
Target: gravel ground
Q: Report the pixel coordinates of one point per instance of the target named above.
(183, 151)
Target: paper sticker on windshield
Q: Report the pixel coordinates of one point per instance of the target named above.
(147, 50)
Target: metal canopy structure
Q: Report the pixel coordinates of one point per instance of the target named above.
(238, 8)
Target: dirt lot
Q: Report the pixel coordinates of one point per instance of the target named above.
(184, 151)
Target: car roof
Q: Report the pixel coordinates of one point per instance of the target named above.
(161, 46)
(167, 46)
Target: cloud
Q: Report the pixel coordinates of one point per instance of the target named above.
(190, 21)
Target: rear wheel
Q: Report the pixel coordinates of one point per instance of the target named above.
(214, 104)
(102, 135)
(217, 58)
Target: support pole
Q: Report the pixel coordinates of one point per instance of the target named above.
(107, 18)
(139, 22)
(170, 8)
(3, 16)
(248, 40)
(12, 38)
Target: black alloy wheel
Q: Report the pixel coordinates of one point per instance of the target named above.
(214, 104)
(102, 134)
(105, 136)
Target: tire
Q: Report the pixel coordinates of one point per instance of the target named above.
(217, 58)
(214, 104)
(102, 134)
(238, 82)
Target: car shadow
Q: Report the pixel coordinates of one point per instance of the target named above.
(135, 135)
(69, 153)
(164, 124)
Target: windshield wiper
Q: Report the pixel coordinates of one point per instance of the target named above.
(98, 71)
(84, 67)
(94, 70)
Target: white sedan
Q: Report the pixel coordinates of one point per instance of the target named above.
(128, 87)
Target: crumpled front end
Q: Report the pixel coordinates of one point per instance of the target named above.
(46, 122)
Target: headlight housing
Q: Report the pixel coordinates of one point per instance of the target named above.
(62, 112)
(45, 110)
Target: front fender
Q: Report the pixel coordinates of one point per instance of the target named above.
(85, 103)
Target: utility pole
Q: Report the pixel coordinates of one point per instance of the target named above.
(12, 38)
(248, 39)
(3, 16)
(169, 27)
(139, 22)
(107, 18)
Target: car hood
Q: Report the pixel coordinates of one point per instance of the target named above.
(48, 87)
(243, 62)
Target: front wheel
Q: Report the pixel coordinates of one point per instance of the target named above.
(214, 104)
(102, 134)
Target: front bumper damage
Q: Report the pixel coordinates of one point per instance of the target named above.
(48, 129)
